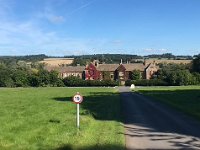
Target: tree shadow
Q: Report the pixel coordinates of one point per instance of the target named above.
(156, 122)
(143, 118)
(186, 101)
(102, 106)
(95, 147)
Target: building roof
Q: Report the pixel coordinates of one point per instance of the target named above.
(67, 69)
(135, 66)
(100, 67)
(73, 69)
(151, 65)
(107, 67)
(50, 68)
(128, 67)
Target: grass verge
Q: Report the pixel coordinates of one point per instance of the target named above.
(183, 98)
(45, 118)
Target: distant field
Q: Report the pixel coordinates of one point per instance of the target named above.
(163, 60)
(57, 61)
(44, 118)
(185, 98)
(168, 61)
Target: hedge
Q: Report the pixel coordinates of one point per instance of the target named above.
(77, 82)
(145, 82)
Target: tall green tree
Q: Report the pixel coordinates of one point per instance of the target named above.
(196, 64)
(44, 78)
(33, 80)
(20, 77)
(135, 75)
(5, 78)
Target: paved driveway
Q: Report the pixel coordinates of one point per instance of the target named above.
(151, 125)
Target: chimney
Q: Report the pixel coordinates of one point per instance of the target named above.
(121, 62)
(96, 63)
(145, 63)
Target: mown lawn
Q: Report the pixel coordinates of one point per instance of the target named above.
(45, 118)
(183, 98)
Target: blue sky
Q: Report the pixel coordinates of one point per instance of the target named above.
(75, 27)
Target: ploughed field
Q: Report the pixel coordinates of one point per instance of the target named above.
(183, 98)
(45, 118)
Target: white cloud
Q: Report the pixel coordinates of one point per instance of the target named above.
(81, 7)
(28, 38)
(56, 19)
(23, 37)
(49, 14)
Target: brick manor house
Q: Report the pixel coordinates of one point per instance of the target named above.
(96, 71)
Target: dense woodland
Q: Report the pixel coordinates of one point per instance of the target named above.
(25, 71)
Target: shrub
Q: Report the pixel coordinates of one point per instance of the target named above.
(73, 81)
(20, 78)
(6, 78)
(196, 78)
(135, 75)
(33, 80)
(44, 77)
(59, 83)
(179, 77)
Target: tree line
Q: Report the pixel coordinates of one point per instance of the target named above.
(20, 75)
(116, 58)
(24, 77)
(83, 59)
(171, 74)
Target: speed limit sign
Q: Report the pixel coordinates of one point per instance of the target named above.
(77, 98)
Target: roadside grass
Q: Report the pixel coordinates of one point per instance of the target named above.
(45, 118)
(183, 98)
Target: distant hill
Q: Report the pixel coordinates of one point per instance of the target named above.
(27, 58)
(103, 58)
(116, 58)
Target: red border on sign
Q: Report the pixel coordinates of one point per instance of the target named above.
(79, 101)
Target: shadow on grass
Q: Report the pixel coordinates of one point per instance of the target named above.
(101, 147)
(148, 119)
(185, 100)
(102, 106)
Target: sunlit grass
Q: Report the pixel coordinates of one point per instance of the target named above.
(45, 118)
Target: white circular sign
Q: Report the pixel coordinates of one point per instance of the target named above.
(77, 98)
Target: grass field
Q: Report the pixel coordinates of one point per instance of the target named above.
(168, 61)
(57, 61)
(184, 98)
(44, 118)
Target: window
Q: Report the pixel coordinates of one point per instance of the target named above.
(111, 76)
